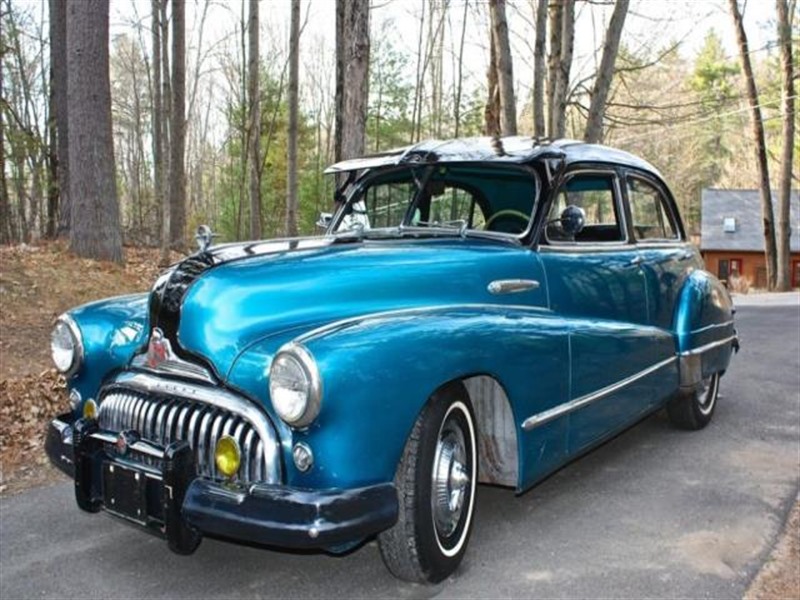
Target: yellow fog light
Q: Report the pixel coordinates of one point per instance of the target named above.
(227, 456)
(90, 409)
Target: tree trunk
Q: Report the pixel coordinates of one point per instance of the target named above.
(491, 112)
(294, 76)
(539, 47)
(562, 34)
(157, 114)
(504, 66)
(58, 63)
(782, 235)
(460, 71)
(602, 83)
(254, 146)
(52, 161)
(759, 145)
(166, 125)
(177, 176)
(352, 108)
(6, 228)
(95, 228)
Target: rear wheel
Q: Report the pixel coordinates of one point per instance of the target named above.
(693, 410)
(435, 484)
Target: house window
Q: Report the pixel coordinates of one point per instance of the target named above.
(729, 224)
(729, 268)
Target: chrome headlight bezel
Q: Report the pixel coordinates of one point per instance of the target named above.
(302, 358)
(77, 345)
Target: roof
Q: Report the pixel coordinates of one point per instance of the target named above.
(742, 208)
(513, 150)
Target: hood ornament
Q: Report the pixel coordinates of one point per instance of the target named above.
(204, 237)
(159, 349)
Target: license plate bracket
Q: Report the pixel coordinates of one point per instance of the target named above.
(125, 492)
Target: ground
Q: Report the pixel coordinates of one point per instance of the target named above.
(38, 283)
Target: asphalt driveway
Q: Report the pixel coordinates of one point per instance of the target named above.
(656, 512)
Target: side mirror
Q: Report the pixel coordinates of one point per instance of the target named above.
(324, 220)
(572, 220)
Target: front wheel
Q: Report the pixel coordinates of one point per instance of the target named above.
(693, 410)
(435, 482)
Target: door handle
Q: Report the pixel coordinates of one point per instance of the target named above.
(512, 286)
(637, 260)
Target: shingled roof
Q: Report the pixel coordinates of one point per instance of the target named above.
(744, 207)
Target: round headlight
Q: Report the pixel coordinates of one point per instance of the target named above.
(295, 387)
(65, 346)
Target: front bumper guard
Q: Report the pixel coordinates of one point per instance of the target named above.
(190, 506)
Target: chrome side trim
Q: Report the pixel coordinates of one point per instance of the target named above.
(512, 286)
(557, 411)
(399, 312)
(215, 397)
(709, 346)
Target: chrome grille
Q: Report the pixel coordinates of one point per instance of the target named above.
(167, 420)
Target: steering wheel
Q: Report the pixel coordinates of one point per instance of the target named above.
(508, 214)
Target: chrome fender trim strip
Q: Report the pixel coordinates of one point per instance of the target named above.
(563, 409)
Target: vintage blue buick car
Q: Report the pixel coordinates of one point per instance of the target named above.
(478, 311)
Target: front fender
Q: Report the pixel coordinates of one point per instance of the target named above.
(112, 330)
(379, 371)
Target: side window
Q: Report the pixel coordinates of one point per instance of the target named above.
(386, 203)
(594, 194)
(651, 218)
(450, 204)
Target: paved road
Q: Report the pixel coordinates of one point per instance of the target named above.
(654, 513)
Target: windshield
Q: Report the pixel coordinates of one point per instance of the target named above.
(462, 197)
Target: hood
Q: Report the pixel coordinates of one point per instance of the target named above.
(218, 304)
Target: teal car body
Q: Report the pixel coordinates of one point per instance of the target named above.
(558, 339)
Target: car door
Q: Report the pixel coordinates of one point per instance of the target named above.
(667, 258)
(595, 281)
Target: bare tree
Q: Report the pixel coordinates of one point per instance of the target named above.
(58, 64)
(294, 76)
(95, 228)
(352, 41)
(562, 35)
(460, 71)
(504, 67)
(759, 145)
(6, 229)
(540, 44)
(177, 177)
(157, 113)
(602, 82)
(254, 139)
(491, 112)
(783, 233)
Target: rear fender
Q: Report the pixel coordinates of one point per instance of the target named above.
(705, 335)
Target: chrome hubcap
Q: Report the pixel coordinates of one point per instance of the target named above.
(451, 479)
(706, 393)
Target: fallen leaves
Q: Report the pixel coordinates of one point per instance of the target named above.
(37, 283)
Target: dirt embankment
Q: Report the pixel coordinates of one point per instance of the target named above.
(37, 283)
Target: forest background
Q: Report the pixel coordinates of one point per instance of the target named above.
(263, 86)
